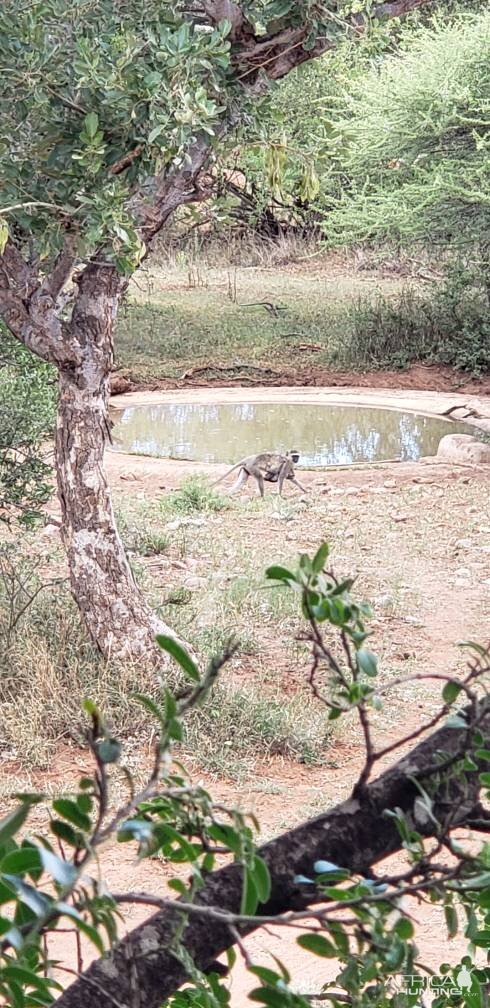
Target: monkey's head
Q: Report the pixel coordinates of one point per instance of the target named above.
(294, 456)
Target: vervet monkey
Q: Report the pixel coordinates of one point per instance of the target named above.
(267, 466)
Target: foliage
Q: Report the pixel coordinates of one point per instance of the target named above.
(27, 404)
(45, 879)
(194, 494)
(234, 725)
(448, 323)
(412, 137)
(96, 99)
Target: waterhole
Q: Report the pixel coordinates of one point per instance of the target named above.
(323, 435)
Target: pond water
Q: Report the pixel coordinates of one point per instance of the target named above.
(323, 435)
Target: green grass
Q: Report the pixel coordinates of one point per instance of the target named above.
(168, 326)
(235, 724)
(194, 495)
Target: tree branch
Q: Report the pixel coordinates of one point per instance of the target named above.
(281, 53)
(354, 835)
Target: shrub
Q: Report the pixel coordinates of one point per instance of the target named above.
(195, 494)
(448, 324)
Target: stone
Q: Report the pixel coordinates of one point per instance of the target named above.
(194, 582)
(118, 384)
(50, 530)
(464, 544)
(464, 449)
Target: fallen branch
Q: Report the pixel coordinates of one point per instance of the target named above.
(355, 835)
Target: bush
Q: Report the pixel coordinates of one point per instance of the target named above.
(449, 324)
(27, 410)
(195, 494)
(234, 726)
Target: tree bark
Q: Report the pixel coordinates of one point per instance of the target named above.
(353, 835)
(116, 616)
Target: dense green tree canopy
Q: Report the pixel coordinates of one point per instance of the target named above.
(412, 135)
(98, 97)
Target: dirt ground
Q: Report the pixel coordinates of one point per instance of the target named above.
(430, 377)
(417, 535)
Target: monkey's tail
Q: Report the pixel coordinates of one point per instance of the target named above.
(228, 473)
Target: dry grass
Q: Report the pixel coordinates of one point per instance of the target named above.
(426, 588)
(49, 668)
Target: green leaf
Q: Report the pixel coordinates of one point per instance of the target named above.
(226, 835)
(450, 692)
(35, 900)
(277, 573)
(455, 721)
(68, 809)
(249, 899)
(452, 922)
(155, 132)
(178, 886)
(334, 713)
(268, 996)
(262, 879)
(180, 655)
(367, 662)
(84, 803)
(91, 124)
(317, 944)
(108, 750)
(483, 754)
(61, 871)
(20, 862)
(27, 978)
(12, 823)
(484, 778)
(319, 560)
(65, 832)
(404, 928)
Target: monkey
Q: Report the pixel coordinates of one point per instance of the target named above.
(267, 466)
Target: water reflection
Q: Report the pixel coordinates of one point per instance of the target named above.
(323, 435)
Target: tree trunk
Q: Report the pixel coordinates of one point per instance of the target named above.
(115, 614)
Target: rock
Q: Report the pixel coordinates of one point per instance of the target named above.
(464, 544)
(464, 450)
(118, 384)
(50, 530)
(390, 484)
(385, 602)
(194, 582)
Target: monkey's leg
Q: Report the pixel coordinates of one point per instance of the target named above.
(283, 474)
(242, 479)
(298, 484)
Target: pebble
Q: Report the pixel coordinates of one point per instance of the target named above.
(464, 544)
(386, 602)
(50, 530)
(194, 582)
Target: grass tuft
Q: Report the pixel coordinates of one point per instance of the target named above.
(194, 495)
(235, 726)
